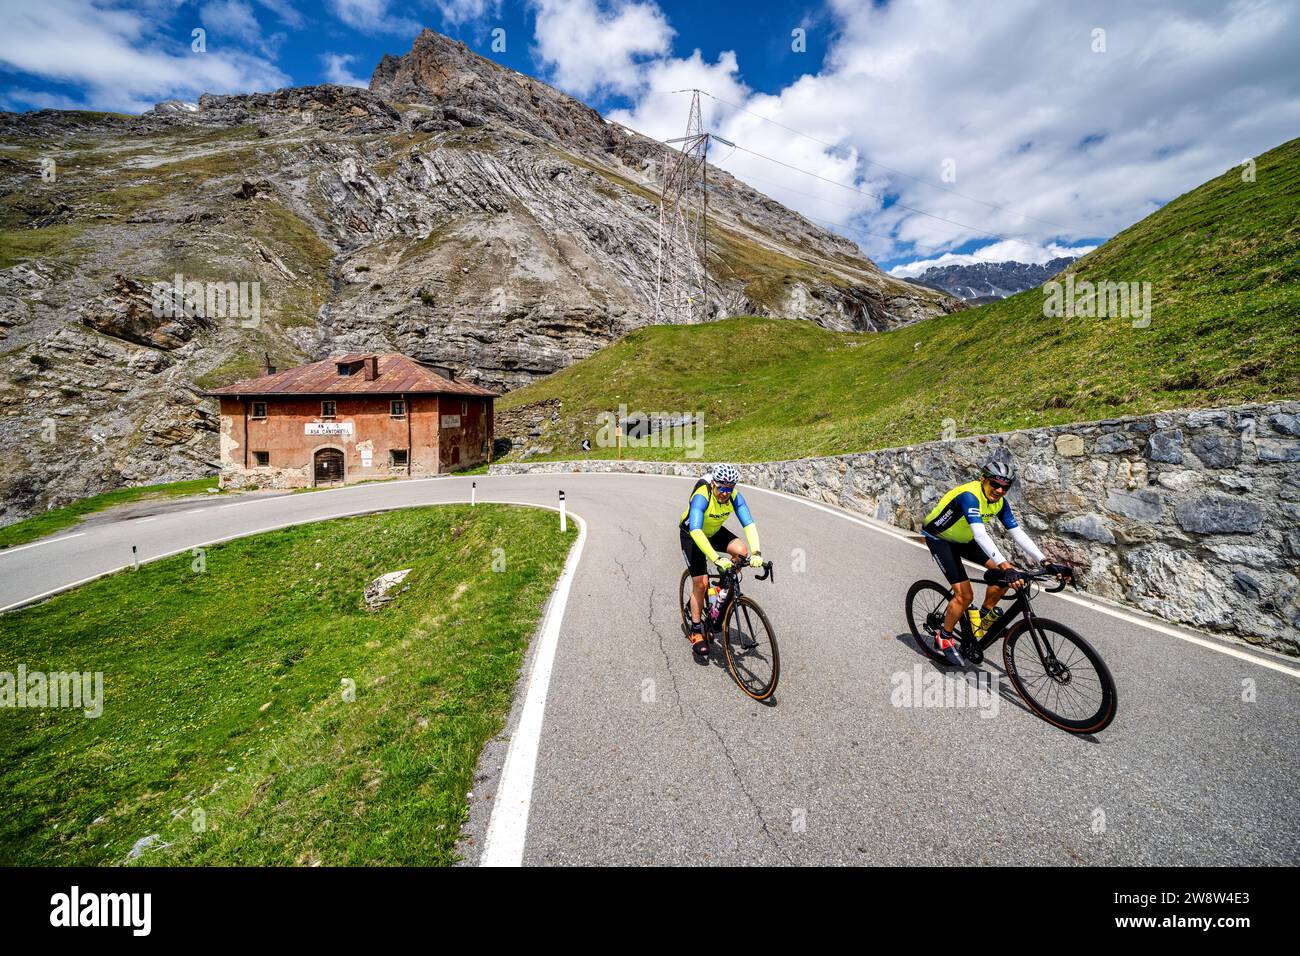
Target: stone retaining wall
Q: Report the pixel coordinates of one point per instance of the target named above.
(1193, 516)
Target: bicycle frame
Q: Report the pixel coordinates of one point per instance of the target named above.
(1021, 608)
(730, 581)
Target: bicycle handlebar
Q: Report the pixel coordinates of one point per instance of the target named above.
(995, 576)
(768, 573)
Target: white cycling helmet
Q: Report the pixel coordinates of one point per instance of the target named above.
(726, 474)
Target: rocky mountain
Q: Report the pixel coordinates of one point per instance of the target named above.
(456, 211)
(988, 281)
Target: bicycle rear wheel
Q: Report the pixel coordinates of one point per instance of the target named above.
(1060, 676)
(750, 645)
(927, 603)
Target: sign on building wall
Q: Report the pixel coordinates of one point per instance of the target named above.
(451, 421)
(328, 428)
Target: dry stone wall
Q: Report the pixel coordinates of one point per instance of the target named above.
(1193, 516)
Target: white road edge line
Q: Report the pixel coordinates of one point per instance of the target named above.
(1074, 599)
(37, 544)
(508, 826)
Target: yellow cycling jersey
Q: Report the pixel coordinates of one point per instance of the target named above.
(711, 512)
(951, 518)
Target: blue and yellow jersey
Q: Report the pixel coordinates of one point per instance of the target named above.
(705, 514)
(951, 518)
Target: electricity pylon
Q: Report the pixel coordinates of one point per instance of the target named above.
(682, 277)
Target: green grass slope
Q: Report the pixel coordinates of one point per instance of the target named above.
(225, 726)
(1224, 264)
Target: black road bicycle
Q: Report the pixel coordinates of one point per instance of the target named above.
(748, 639)
(1055, 671)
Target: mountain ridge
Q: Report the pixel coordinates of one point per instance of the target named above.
(987, 281)
(485, 222)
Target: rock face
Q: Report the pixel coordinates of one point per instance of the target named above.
(457, 211)
(1195, 540)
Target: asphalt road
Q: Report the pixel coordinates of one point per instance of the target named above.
(647, 757)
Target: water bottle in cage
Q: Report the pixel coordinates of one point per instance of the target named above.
(715, 608)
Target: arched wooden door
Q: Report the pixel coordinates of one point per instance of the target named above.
(329, 466)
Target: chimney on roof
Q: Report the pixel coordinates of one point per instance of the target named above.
(267, 368)
(371, 364)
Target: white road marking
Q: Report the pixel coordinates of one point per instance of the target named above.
(37, 544)
(143, 520)
(508, 826)
(1092, 604)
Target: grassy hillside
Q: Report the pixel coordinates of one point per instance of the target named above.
(1224, 264)
(255, 713)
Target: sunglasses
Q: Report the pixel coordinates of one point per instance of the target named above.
(724, 489)
(1000, 485)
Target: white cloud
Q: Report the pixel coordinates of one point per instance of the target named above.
(373, 16)
(118, 59)
(1067, 143)
(994, 252)
(230, 21)
(465, 11)
(588, 46)
(285, 11)
(337, 70)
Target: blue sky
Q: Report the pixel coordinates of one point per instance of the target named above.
(940, 131)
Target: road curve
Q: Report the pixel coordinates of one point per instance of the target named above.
(646, 757)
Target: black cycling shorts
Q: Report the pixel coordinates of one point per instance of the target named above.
(948, 555)
(695, 559)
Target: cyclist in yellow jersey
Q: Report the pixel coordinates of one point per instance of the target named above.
(955, 530)
(703, 538)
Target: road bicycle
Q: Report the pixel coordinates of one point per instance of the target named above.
(748, 639)
(1056, 672)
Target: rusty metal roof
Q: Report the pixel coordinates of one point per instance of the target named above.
(398, 374)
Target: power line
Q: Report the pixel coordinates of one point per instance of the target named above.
(866, 192)
(842, 225)
(897, 172)
(885, 199)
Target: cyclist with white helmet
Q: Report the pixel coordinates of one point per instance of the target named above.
(703, 538)
(955, 530)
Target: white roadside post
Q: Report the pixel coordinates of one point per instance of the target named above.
(473, 493)
(135, 559)
(564, 518)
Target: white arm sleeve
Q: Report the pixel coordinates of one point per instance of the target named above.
(1019, 537)
(985, 542)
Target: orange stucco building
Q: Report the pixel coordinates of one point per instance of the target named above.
(352, 418)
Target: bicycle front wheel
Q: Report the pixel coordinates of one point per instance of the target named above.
(1060, 676)
(750, 644)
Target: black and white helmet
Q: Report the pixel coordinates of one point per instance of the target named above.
(726, 474)
(1003, 471)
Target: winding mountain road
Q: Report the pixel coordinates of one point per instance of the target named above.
(646, 757)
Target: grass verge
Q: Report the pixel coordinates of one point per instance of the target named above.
(56, 519)
(226, 725)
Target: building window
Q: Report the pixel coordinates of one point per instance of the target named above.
(397, 457)
(398, 408)
(345, 369)
(464, 408)
(259, 409)
(261, 459)
(328, 409)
